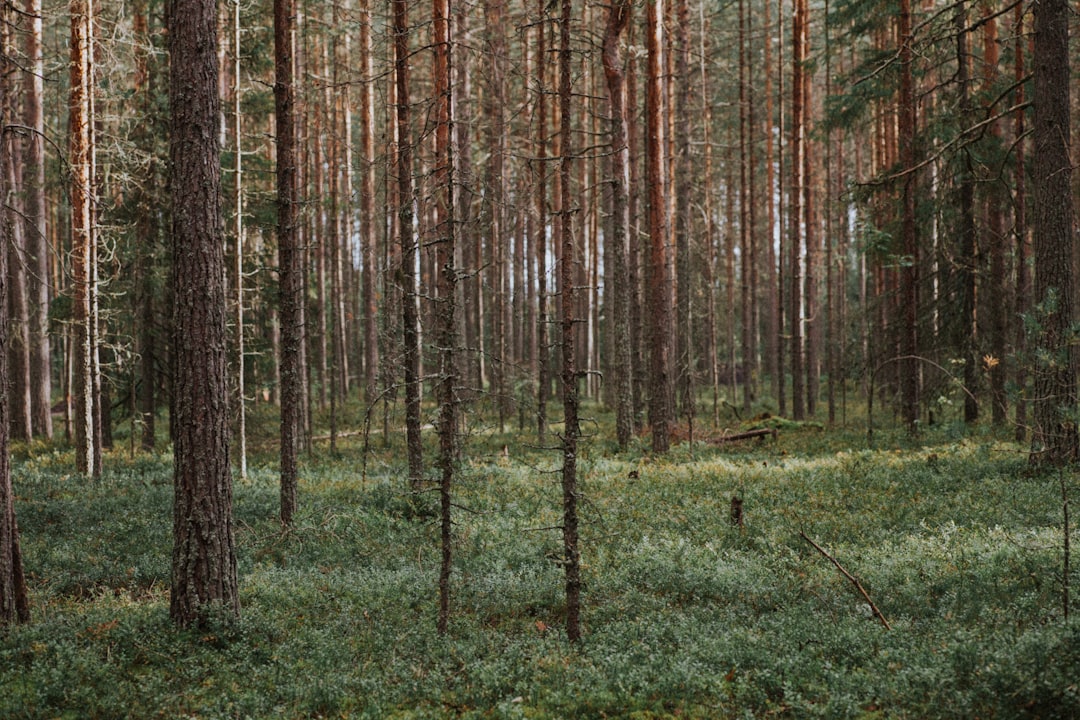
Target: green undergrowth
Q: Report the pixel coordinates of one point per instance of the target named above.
(686, 615)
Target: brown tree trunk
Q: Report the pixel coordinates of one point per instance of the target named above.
(795, 212)
(14, 602)
(495, 217)
(1023, 249)
(1055, 440)
(909, 274)
(291, 271)
(446, 314)
(204, 577)
(995, 232)
(618, 18)
(82, 234)
(367, 206)
(967, 338)
(660, 282)
(682, 169)
(540, 229)
(20, 403)
(571, 551)
(37, 247)
(408, 249)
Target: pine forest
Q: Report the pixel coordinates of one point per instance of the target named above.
(515, 358)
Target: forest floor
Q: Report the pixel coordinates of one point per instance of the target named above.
(954, 540)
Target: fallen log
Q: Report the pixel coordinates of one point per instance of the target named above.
(748, 435)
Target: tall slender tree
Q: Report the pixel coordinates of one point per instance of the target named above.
(618, 18)
(571, 431)
(82, 232)
(407, 245)
(660, 281)
(14, 602)
(204, 576)
(290, 254)
(446, 314)
(33, 181)
(909, 273)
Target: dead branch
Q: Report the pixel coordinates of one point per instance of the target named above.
(749, 434)
(849, 576)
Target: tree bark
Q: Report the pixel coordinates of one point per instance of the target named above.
(618, 18)
(660, 282)
(1023, 250)
(909, 273)
(446, 315)
(33, 180)
(82, 233)
(204, 576)
(291, 271)
(367, 206)
(408, 249)
(14, 602)
(1055, 440)
(571, 551)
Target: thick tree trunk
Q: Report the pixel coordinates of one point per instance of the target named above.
(1055, 440)
(204, 577)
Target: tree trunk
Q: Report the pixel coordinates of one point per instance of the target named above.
(684, 331)
(20, 403)
(14, 602)
(995, 200)
(204, 577)
(571, 551)
(241, 411)
(37, 248)
(618, 17)
(291, 271)
(407, 245)
(795, 212)
(967, 329)
(367, 206)
(540, 229)
(82, 233)
(1055, 440)
(659, 284)
(1023, 250)
(909, 274)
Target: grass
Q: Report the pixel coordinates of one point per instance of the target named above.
(954, 539)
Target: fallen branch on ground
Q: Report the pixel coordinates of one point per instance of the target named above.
(749, 434)
(852, 578)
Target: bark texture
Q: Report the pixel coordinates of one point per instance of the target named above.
(204, 581)
(1055, 439)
